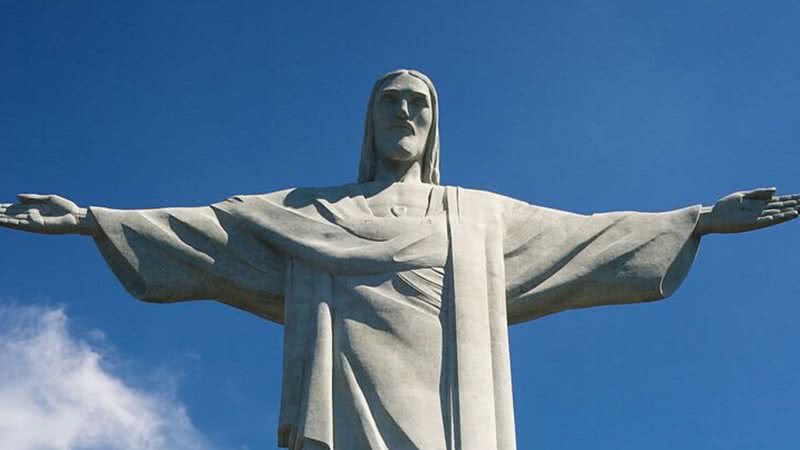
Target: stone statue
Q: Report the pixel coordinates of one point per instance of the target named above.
(396, 292)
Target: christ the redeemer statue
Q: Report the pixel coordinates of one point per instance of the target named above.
(396, 292)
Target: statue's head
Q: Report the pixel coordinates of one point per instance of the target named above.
(402, 125)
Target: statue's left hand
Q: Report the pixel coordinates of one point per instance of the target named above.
(748, 210)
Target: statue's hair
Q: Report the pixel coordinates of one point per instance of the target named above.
(430, 159)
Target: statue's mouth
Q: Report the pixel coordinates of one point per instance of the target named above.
(404, 125)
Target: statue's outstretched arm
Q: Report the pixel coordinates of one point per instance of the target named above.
(747, 211)
(47, 214)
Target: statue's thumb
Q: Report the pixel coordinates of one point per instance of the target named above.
(32, 198)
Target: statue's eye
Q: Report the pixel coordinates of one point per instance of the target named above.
(388, 97)
(422, 102)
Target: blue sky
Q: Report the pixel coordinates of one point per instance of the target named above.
(585, 106)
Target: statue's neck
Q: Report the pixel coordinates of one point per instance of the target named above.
(398, 171)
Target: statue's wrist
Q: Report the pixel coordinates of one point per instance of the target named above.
(87, 225)
(704, 222)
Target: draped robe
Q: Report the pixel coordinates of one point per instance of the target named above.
(396, 327)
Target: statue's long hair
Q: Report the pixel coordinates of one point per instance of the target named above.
(430, 159)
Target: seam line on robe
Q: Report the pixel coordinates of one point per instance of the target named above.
(422, 297)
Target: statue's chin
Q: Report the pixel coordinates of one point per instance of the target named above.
(401, 151)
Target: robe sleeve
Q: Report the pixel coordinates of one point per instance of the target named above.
(556, 260)
(177, 254)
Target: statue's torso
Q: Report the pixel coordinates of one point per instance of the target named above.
(389, 340)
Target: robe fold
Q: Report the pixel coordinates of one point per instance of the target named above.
(396, 327)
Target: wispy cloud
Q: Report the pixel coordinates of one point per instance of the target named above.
(56, 395)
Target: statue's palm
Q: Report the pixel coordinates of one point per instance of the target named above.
(49, 214)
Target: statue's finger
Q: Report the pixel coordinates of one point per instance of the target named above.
(765, 221)
(14, 209)
(19, 209)
(9, 221)
(32, 198)
(17, 223)
(761, 193)
(777, 218)
(782, 198)
(781, 218)
(782, 204)
(773, 211)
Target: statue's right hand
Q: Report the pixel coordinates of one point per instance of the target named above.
(47, 214)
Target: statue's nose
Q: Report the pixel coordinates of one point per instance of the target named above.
(402, 111)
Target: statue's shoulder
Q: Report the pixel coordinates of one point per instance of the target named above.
(484, 197)
(484, 204)
(299, 197)
(508, 207)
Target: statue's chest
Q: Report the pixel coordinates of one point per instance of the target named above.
(407, 203)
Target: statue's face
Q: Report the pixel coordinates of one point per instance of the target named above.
(402, 117)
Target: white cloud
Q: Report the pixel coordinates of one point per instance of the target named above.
(55, 394)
